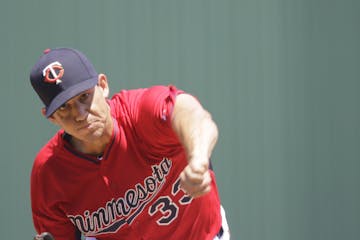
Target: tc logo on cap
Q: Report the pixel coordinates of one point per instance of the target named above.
(53, 73)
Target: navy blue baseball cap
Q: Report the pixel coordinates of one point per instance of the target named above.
(59, 75)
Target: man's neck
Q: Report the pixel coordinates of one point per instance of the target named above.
(95, 148)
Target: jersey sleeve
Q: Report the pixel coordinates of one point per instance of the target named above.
(153, 120)
(46, 206)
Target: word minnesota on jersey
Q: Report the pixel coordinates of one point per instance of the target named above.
(123, 210)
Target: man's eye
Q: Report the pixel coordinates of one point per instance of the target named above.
(84, 97)
(63, 107)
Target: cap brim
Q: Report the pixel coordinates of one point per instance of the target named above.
(69, 93)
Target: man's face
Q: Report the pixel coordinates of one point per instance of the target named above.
(86, 116)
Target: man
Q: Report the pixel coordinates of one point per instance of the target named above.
(135, 166)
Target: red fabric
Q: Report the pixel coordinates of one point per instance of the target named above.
(132, 193)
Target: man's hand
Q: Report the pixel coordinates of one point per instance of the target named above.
(44, 236)
(195, 179)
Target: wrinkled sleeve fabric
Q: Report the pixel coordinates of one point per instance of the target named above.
(154, 119)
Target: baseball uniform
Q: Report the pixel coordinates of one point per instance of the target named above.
(132, 190)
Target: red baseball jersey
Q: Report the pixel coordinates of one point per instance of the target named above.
(132, 190)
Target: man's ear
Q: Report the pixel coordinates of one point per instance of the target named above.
(103, 83)
(43, 111)
(51, 118)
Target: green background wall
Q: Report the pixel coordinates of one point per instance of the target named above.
(281, 78)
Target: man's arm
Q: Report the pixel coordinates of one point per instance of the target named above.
(198, 134)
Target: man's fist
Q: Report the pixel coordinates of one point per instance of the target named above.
(195, 179)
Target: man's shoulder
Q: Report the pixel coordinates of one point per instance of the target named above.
(127, 96)
(49, 149)
(131, 102)
(125, 101)
(133, 93)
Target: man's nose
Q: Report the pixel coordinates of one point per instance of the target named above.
(80, 111)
